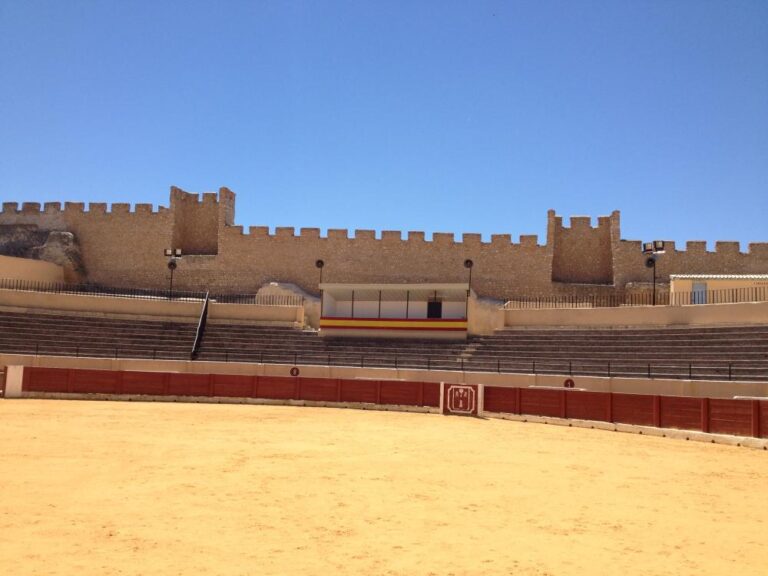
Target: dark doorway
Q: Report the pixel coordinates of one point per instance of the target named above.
(434, 309)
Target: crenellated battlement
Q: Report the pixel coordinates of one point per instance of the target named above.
(384, 236)
(55, 208)
(125, 244)
(701, 247)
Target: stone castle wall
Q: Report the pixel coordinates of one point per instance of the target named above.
(124, 247)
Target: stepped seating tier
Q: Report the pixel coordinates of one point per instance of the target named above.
(739, 353)
(77, 335)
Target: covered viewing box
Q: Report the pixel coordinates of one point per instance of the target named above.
(395, 310)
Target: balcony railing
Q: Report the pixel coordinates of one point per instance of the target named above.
(696, 297)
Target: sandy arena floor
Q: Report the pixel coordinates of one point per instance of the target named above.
(133, 488)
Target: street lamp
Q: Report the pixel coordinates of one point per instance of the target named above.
(320, 265)
(468, 264)
(653, 250)
(173, 255)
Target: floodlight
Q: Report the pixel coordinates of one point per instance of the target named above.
(648, 247)
(168, 252)
(658, 245)
(177, 252)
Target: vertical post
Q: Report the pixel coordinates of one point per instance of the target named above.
(353, 304)
(320, 264)
(705, 414)
(756, 431)
(407, 302)
(468, 264)
(379, 304)
(657, 411)
(170, 290)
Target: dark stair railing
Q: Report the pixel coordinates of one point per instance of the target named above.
(200, 328)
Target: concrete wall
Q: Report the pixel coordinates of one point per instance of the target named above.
(121, 247)
(686, 284)
(712, 315)
(176, 310)
(27, 269)
(665, 387)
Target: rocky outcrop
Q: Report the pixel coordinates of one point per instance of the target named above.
(58, 247)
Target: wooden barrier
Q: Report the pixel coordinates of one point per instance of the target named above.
(716, 415)
(385, 392)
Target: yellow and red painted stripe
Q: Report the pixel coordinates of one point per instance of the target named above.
(431, 324)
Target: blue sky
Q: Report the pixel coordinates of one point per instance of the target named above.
(436, 116)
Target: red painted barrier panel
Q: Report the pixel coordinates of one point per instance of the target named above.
(45, 380)
(276, 388)
(359, 391)
(762, 418)
(152, 383)
(730, 417)
(430, 394)
(634, 409)
(189, 385)
(401, 393)
(498, 399)
(724, 416)
(233, 386)
(542, 402)
(318, 389)
(93, 382)
(680, 412)
(588, 406)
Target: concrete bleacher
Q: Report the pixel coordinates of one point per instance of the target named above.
(718, 353)
(65, 334)
(696, 352)
(249, 343)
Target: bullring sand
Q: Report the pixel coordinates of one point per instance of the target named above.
(140, 488)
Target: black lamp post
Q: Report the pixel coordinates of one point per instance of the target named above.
(468, 264)
(320, 264)
(173, 255)
(653, 250)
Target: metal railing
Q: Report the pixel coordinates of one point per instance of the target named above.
(724, 296)
(98, 290)
(667, 369)
(200, 329)
(260, 299)
(149, 293)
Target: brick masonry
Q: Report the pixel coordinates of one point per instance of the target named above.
(124, 247)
